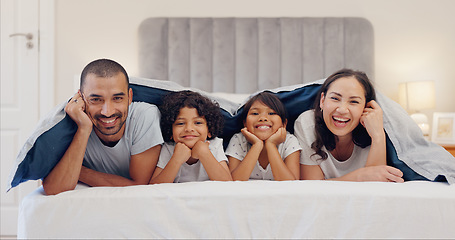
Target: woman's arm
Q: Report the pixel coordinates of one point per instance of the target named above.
(373, 122)
(375, 173)
(381, 173)
(311, 172)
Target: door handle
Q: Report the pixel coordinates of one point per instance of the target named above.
(28, 36)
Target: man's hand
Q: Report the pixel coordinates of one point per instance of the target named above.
(76, 110)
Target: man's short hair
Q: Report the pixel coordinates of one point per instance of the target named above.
(103, 68)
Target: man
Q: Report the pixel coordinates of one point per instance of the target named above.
(117, 142)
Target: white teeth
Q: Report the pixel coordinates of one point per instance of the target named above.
(341, 119)
(264, 127)
(110, 121)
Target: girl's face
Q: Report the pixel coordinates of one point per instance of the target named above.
(189, 127)
(343, 105)
(262, 121)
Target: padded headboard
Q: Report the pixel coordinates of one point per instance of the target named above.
(243, 55)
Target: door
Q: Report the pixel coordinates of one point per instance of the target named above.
(19, 97)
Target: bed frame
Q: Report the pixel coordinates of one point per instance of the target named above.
(244, 55)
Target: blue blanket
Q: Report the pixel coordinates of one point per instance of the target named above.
(406, 147)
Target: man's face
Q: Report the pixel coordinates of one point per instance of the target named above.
(107, 101)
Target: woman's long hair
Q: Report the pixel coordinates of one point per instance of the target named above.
(324, 137)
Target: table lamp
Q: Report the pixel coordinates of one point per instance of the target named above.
(416, 96)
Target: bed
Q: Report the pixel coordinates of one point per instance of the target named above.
(229, 59)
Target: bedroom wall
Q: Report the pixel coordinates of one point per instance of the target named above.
(414, 39)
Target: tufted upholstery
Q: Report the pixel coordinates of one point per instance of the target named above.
(243, 55)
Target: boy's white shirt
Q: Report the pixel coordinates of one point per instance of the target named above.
(196, 171)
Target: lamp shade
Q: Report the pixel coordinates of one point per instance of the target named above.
(415, 96)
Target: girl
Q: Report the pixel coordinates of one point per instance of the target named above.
(188, 119)
(259, 150)
(343, 137)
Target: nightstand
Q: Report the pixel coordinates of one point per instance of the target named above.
(449, 148)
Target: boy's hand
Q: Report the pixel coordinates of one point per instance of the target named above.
(199, 149)
(181, 152)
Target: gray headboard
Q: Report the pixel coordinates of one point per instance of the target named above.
(243, 55)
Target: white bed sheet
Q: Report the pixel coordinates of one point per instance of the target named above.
(253, 209)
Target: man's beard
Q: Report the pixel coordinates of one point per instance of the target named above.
(110, 130)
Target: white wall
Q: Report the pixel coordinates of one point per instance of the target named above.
(414, 39)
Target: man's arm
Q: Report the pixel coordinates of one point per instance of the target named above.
(142, 166)
(65, 174)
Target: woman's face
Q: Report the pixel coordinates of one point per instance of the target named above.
(342, 106)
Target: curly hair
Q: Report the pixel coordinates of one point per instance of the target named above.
(324, 137)
(173, 102)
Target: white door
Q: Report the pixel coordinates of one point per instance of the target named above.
(19, 97)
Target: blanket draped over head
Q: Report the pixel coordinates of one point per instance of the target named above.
(407, 149)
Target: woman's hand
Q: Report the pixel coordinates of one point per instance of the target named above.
(372, 120)
(381, 173)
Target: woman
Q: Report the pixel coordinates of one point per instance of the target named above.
(343, 138)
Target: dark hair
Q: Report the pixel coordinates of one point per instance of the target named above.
(268, 99)
(324, 137)
(173, 102)
(103, 68)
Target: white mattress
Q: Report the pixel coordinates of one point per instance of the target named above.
(254, 209)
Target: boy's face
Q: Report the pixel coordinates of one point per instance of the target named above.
(189, 127)
(262, 121)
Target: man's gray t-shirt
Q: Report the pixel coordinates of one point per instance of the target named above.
(142, 131)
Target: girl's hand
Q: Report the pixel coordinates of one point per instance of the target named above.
(278, 137)
(372, 120)
(75, 108)
(250, 137)
(199, 149)
(181, 152)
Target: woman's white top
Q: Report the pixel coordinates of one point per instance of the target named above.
(304, 131)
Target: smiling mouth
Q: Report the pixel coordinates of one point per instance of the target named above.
(340, 121)
(189, 137)
(108, 121)
(263, 127)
